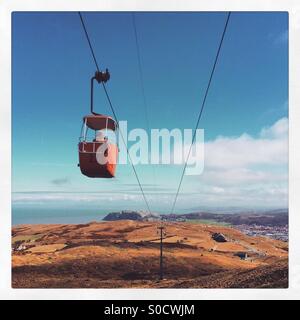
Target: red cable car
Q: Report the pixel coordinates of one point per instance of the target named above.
(98, 154)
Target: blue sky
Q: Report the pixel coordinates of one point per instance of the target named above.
(247, 105)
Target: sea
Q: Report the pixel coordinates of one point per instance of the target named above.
(56, 215)
(73, 215)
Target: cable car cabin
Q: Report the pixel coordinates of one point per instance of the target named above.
(98, 157)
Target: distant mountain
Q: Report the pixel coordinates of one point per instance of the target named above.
(278, 217)
(239, 210)
(267, 218)
(131, 215)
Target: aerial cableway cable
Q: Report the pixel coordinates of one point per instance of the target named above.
(141, 77)
(201, 110)
(89, 41)
(114, 113)
(140, 70)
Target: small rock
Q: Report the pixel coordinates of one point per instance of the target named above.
(219, 237)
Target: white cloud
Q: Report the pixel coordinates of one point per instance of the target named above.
(269, 148)
(278, 131)
(246, 170)
(56, 197)
(282, 37)
(241, 177)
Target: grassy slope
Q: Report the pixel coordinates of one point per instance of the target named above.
(125, 254)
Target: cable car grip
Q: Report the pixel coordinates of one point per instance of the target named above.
(100, 77)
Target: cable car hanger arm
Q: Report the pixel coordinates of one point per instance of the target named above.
(113, 111)
(100, 77)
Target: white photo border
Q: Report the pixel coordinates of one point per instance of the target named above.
(9, 6)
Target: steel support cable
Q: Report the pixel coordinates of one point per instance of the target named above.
(113, 111)
(141, 76)
(201, 110)
(89, 41)
(140, 70)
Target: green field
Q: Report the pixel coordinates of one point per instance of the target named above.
(208, 221)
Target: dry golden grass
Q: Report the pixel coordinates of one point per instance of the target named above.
(46, 248)
(125, 253)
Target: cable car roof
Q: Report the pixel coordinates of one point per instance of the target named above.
(100, 121)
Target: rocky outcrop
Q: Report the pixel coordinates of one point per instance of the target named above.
(219, 237)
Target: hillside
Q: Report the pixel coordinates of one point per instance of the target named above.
(125, 254)
(265, 218)
(277, 217)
